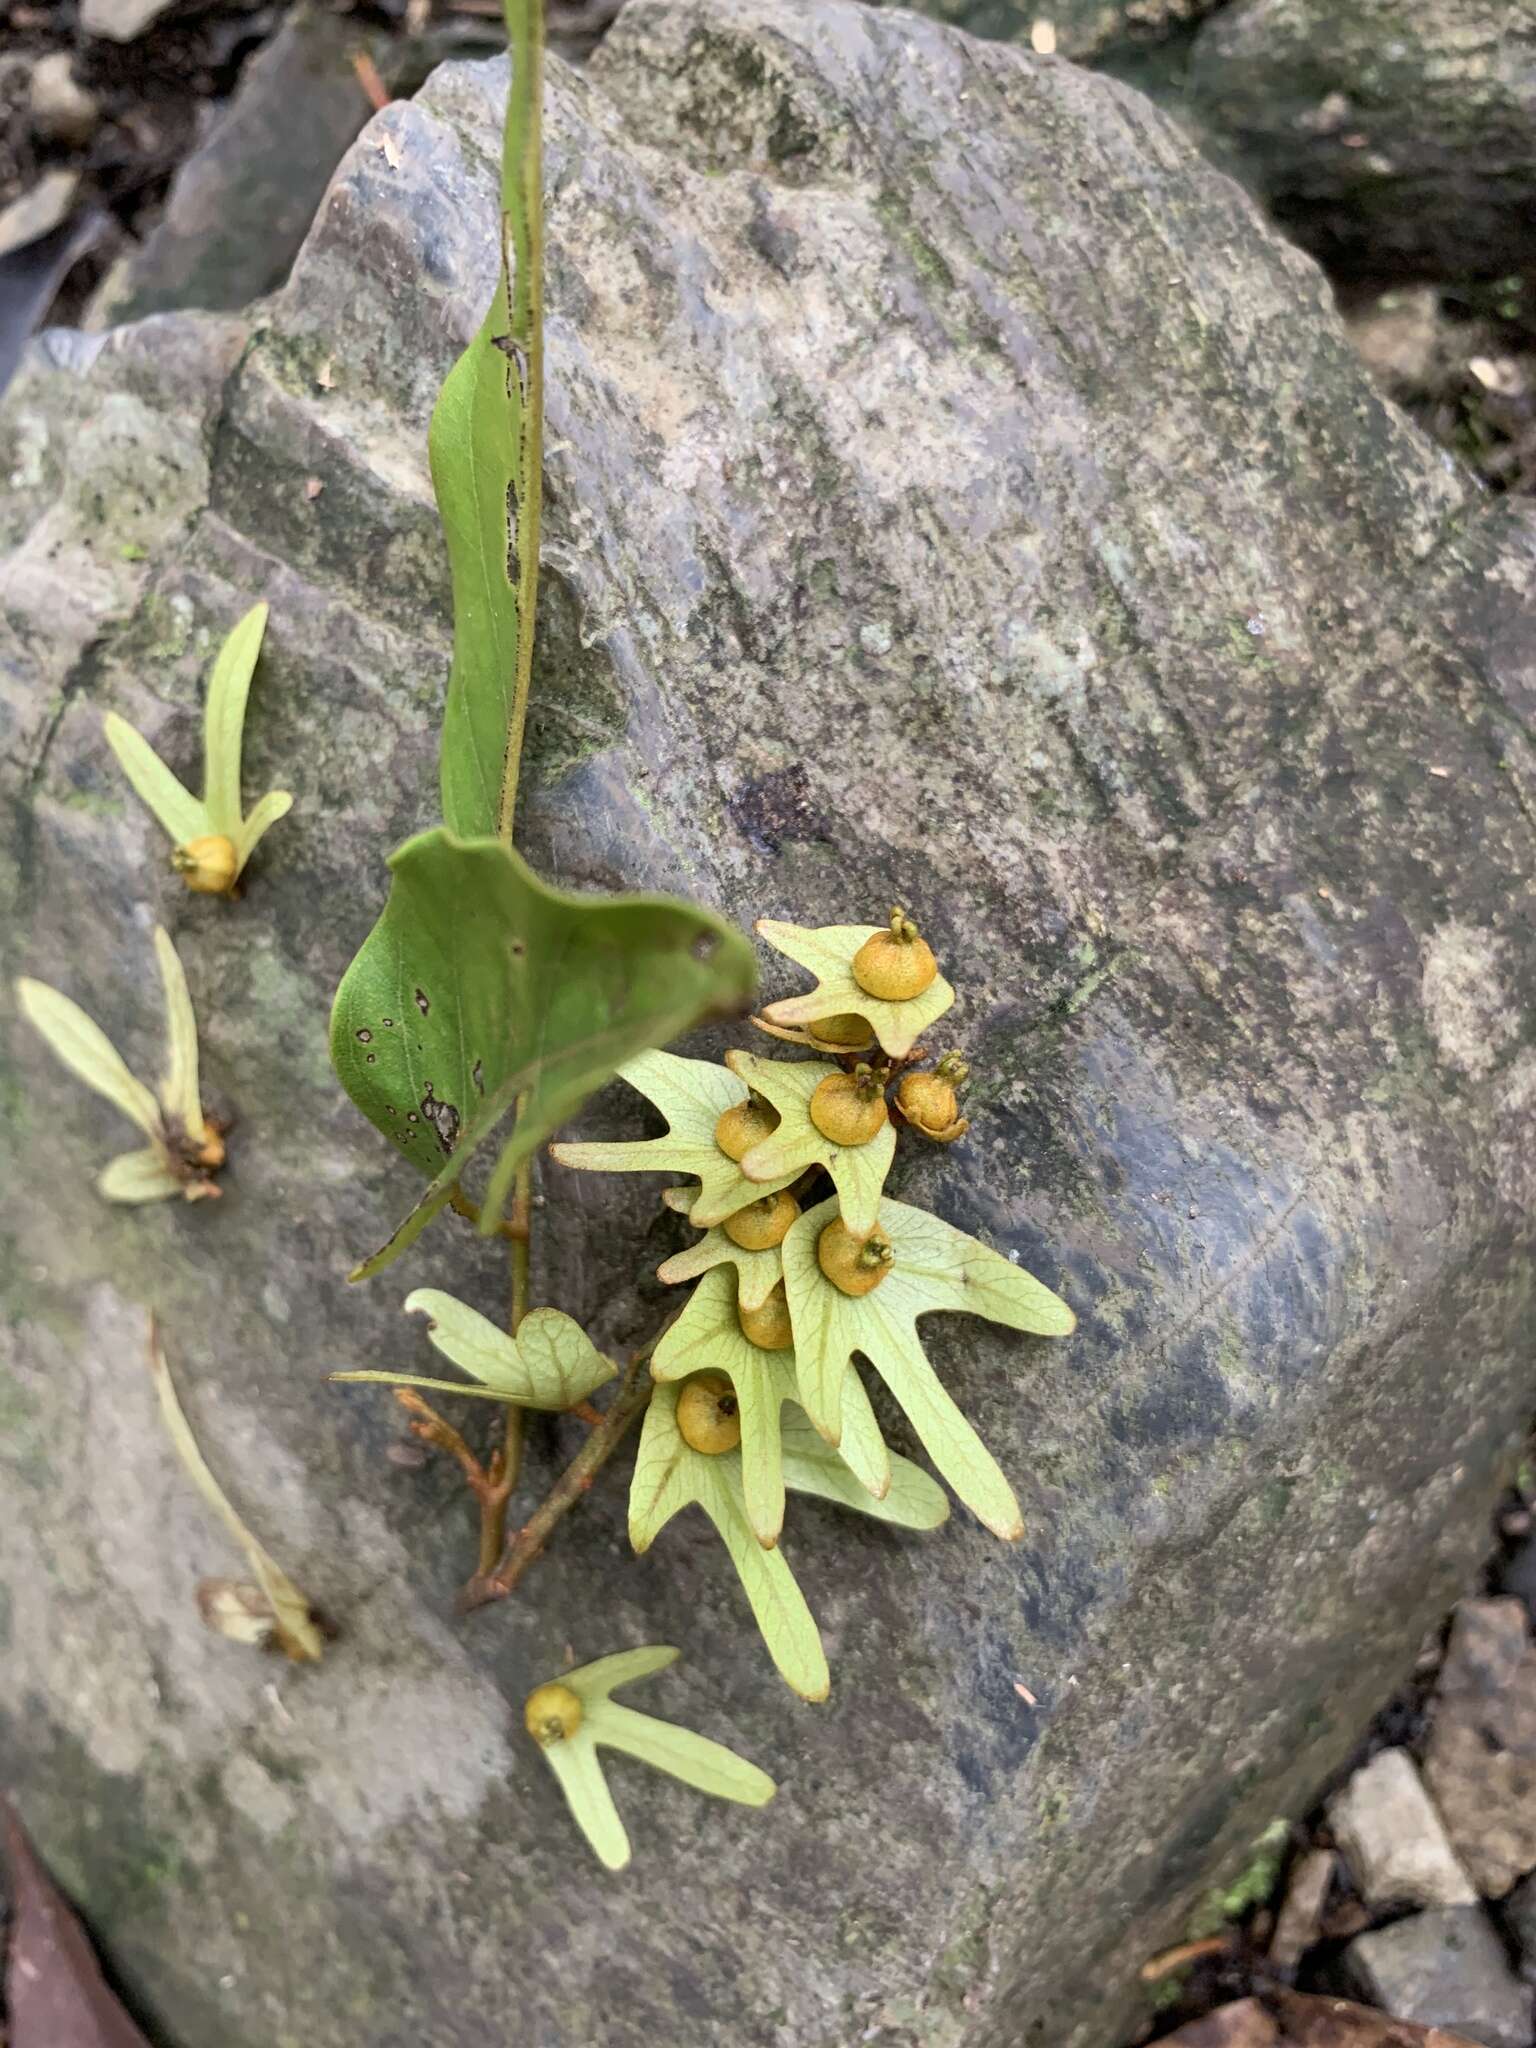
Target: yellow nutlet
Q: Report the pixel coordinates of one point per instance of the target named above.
(210, 1153)
(552, 1713)
(708, 1416)
(768, 1326)
(929, 1101)
(208, 865)
(855, 1265)
(744, 1125)
(896, 965)
(762, 1225)
(850, 1108)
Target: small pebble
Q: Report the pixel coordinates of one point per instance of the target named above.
(61, 109)
(1393, 1839)
(1444, 1969)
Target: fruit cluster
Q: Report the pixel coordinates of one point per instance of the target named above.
(757, 1391)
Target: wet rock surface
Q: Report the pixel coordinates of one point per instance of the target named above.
(240, 205)
(1394, 1840)
(1022, 546)
(1445, 1968)
(1391, 139)
(1481, 1761)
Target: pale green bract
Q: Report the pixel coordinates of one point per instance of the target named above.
(692, 1095)
(708, 1337)
(934, 1266)
(292, 1618)
(827, 952)
(218, 812)
(173, 1120)
(605, 1724)
(669, 1476)
(857, 1171)
(757, 1273)
(551, 1363)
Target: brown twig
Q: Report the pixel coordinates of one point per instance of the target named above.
(1186, 1952)
(490, 1483)
(574, 1481)
(368, 78)
(432, 1428)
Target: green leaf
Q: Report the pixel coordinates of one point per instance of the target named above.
(694, 1759)
(89, 1054)
(692, 1095)
(277, 803)
(473, 449)
(707, 1766)
(827, 952)
(914, 1499)
(180, 1096)
(381, 1378)
(857, 1171)
(580, 1777)
(480, 984)
(934, 1267)
(486, 452)
(670, 1476)
(156, 787)
(291, 1612)
(224, 721)
(550, 1364)
(138, 1177)
(621, 1667)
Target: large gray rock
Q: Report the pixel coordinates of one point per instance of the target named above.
(1445, 1968)
(957, 496)
(239, 207)
(1089, 31)
(1389, 137)
(1480, 1762)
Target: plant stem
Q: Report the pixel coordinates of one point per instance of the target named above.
(461, 1205)
(506, 1464)
(436, 1430)
(523, 174)
(627, 1405)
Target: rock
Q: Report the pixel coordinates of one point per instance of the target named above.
(1392, 139)
(1301, 1912)
(1393, 1839)
(121, 21)
(1400, 336)
(239, 206)
(1480, 1764)
(1090, 31)
(60, 107)
(1311, 2020)
(55, 1996)
(1520, 1923)
(1242, 2024)
(1461, 380)
(1445, 1968)
(1517, 1575)
(38, 211)
(1176, 624)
